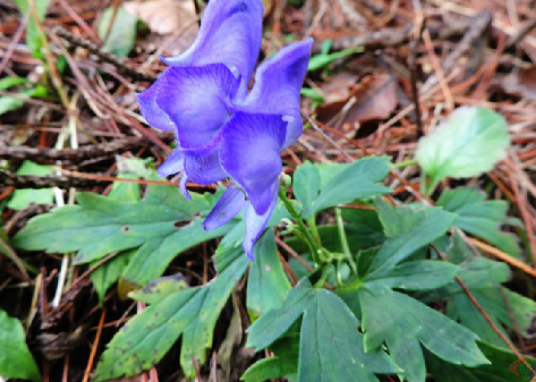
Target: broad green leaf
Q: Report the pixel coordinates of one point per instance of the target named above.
(411, 325)
(274, 323)
(361, 179)
(16, 361)
(506, 308)
(22, 198)
(467, 144)
(268, 284)
(192, 313)
(161, 226)
(34, 39)
(417, 275)
(407, 230)
(504, 367)
(122, 33)
(475, 272)
(331, 348)
(9, 82)
(479, 217)
(108, 273)
(306, 187)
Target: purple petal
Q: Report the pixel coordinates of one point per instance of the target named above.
(256, 223)
(203, 166)
(278, 82)
(153, 114)
(230, 33)
(172, 165)
(196, 100)
(229, 205)
(250, 153)
(182, 186)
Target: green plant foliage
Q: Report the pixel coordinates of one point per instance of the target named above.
(9, 103)
(360, 179)
(174, 312)
(407, 230)
(504, 367)
(267, 282)
(331, 348)
(16, 361)
(307, 187)
(119, 38)
(22, 198)
(414, 324)
(467, 144)
(160, 226)
(34, 39)
(479, 217)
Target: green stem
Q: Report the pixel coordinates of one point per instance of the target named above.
(344, 239)
(314, 230)
(404, 163)
(315, 250)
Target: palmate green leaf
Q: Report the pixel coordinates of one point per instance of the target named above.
(16, 361)
(504, 367)
(267, 282)
(506, 308)
(467, 144)
(479, 217)
(411, 325)
(122, 33)
(161, 226)
(192, 313)
(361, 179)
(331, 348)
(108, 273)
(417, 275)
(307, 187)
(407, 230)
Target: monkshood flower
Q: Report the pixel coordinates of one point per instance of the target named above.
(222, 130)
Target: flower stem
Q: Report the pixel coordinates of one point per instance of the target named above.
(314, 230)
(405, 163)
(313, 246)
(344, 239)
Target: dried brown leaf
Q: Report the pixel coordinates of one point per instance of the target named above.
(164, 16)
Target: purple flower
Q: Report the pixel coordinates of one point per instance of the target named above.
(222, 130)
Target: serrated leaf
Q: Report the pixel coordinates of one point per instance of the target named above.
(504, 367)
(506, 308)
(108, 273)
(467, 144)
(122, 33)
(407, 230)
(417, 275)
(34, 39)
(306, 187)
(361, 179)
(479, 217)
(161, 226)
(22, 198)
(268, 284)
(192, 313)
(16, 361)
(411, 326)
(331, 348)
